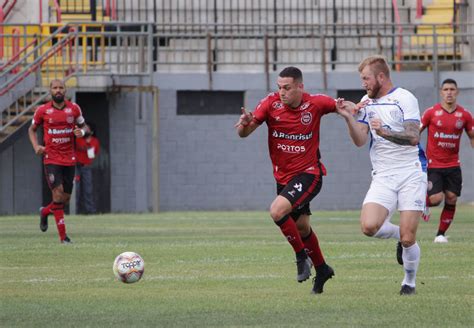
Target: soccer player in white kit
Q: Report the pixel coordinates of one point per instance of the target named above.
(391, 117)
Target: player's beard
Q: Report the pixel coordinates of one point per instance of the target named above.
(58, 98)
(374, 91)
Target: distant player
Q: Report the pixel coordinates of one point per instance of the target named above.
(62, 121)
(391, 116)
(445, 122)
(293, 118)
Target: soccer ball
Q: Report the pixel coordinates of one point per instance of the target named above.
(129, 267)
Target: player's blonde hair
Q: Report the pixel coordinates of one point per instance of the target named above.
(377, 63)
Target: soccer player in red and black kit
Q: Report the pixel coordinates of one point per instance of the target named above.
(62, 121)
(293, 118)
(445, 122)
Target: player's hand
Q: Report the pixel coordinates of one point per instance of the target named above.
(245, 118)
(376, 124)
(79, 133)
(39, 150)
(345, 108)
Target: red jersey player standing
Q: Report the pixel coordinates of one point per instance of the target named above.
(62, 121)
(293, 118)
(445, 122)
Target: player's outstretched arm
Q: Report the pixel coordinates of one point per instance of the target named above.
(245, 125)
(357, 131)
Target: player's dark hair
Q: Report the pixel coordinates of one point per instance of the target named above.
(449, 81)
(293, 72)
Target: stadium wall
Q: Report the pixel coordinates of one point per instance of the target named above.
(203, 164)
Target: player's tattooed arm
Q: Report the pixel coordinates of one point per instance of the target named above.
(409, 136)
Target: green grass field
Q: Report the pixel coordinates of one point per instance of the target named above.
(227, 269)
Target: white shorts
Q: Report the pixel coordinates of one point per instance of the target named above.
(404, 190)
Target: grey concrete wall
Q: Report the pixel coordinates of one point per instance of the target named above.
(20, 179)
(203, 164)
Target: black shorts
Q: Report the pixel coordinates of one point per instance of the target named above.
(59, 175)
(300, 191)
(446, 179)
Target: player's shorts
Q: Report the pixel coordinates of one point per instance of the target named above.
(300, 191)
(404, 190)
(60, 175)
(445, 179)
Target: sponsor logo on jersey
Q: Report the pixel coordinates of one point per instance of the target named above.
(300, 136)
(291, 148)
(306, 118)
(304, 106)
(443, 135)
(371, 115)
(459, 124)
(277, 105)
(439, 123)
(449, 145)
(292, 193)
(60, 140)
(60, 131)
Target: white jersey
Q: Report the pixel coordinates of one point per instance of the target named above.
(395, 108)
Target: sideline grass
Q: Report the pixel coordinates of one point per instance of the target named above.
(227, 269)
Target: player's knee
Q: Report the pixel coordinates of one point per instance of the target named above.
(277, 213)
(368, 229)
(407, 241)
(435, 200)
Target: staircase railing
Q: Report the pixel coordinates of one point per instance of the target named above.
(29, 66)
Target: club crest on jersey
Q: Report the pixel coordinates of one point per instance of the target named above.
(459, 124)
(277, 105)
(70, 119)
(304, 106)
(396, 115)
(306, 118)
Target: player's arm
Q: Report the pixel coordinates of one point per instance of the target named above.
(357, 131)
(410, 136)
(246, 124)
(471, 136)
(39, 150)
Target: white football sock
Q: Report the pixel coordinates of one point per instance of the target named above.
(411, 260)
(388, 230)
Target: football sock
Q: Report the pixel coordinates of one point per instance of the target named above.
(447, 216)
(58, 211)
(290, 231)
(311, 244)
(47, 209)
(411, 260)
(388, 230)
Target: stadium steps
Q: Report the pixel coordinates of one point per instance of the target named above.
(20, 114)
(437, 19)
(80, 11)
